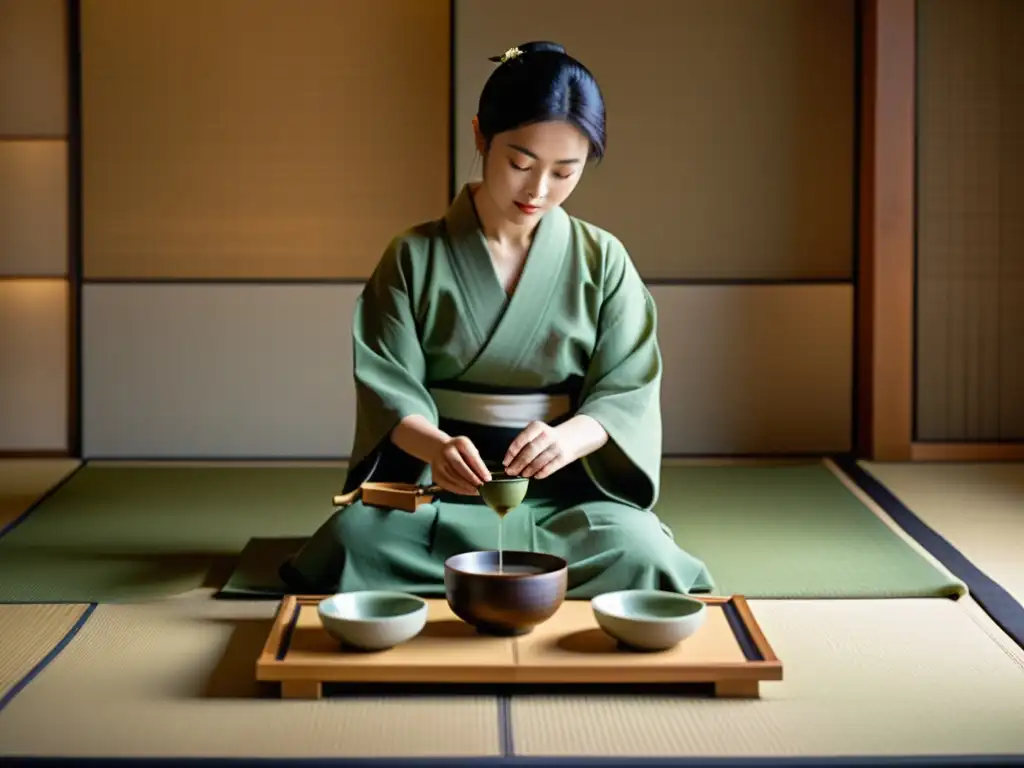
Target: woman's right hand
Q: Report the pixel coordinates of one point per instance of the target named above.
(456, 467)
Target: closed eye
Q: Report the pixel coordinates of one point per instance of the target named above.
(521, 168)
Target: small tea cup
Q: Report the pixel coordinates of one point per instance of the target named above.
(373, 620)
(647, 619)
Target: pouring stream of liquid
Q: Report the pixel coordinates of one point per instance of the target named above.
(502, 511)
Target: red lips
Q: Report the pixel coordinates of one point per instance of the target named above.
(527, 209)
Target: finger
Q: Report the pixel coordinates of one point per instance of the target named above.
(529, 452)
(550, 468)
(475, 462)
(533, 430)
(542, 459)
(454, 484)
(444, 478)
(460, 470)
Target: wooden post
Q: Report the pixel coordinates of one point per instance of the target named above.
(885, 324)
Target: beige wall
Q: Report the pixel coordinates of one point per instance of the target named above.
(246, 370)
(33, 68)
(218, 370)
(34, 292)
(275, 163)
(228, 140)
(34, 207)
(34, 377)
(259, 138)
(730, 147)
(970, 317)
(231, 140)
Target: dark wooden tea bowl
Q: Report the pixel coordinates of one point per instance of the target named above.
(528, 592)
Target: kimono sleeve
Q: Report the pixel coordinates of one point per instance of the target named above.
(622, 387)
(389, 366)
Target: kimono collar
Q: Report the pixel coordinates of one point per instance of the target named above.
(501, 322)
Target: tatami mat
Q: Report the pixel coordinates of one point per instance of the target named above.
(780, 532)
(979, 508)
(27, 634)
(862, 677)
(175, 678)
(871, 677)
(24, 481)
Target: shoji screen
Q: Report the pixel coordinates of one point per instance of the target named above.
(34, 291)
(970, 249)
(730, 177)
(246, 162)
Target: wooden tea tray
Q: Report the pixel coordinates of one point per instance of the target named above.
(729, 651)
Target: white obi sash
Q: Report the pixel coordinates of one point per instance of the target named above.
(500, 410)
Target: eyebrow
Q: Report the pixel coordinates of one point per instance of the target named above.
(525, 151)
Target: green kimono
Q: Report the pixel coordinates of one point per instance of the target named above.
(436, 335)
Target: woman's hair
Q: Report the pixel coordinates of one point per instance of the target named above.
(538, 82)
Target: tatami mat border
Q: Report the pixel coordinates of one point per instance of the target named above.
(999, 604)
(44, 662)
(506, 738)
(910, 761)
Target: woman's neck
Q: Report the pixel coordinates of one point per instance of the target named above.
(496, 228)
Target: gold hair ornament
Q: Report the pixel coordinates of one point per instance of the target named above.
(510, 54)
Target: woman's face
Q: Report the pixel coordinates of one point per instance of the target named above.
(530, 170)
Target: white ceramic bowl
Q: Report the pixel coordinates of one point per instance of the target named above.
(649, 619)
(373, 620)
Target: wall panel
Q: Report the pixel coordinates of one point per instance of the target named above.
(33, 208)
(265, 371)
(1011, 223)
(970, 258)
(730, 126)
(33, 365)
(756, 369)
(217, 371)
(1011, 372)
(33, 68)
(260, 138)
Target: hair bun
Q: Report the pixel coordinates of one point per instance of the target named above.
(536, 46)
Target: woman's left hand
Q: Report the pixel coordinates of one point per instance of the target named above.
(539, 451)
